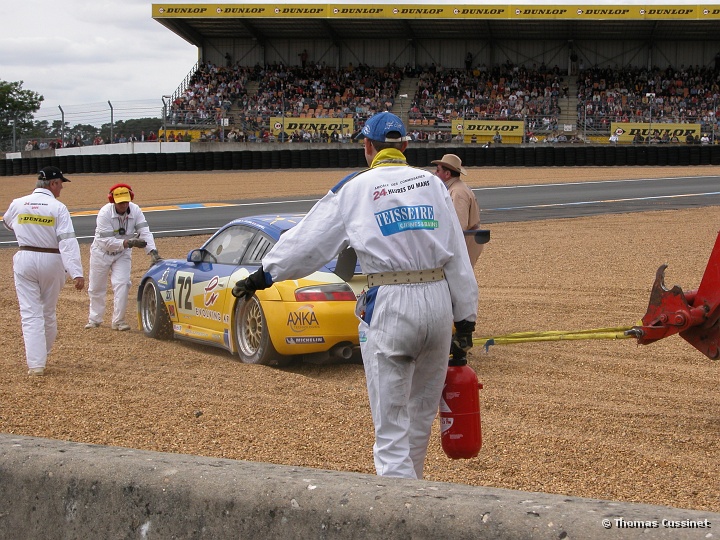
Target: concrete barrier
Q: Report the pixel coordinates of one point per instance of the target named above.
(53, 489)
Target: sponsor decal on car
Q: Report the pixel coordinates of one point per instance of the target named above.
(304, 340)
(163, 279)
(211, 295)
(303, 319)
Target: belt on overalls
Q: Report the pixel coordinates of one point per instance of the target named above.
(39, 249)
(410, 276)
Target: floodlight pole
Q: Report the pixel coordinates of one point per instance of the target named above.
(165, 117)
(112, 121)
(14, 121)
(62, 125)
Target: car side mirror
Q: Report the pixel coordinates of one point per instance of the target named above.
(196, 256)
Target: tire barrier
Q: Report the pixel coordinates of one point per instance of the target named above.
(663, 157)
(529, 157)
(355, 157)
(256, 160)
(352, 156)
(694, 152)
(421, 158)
(705, 152)
(653, 157)
(227, 161)
(683, 156)
(142, 162)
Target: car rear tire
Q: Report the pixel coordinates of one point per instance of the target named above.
(252, 337)
(154, 317)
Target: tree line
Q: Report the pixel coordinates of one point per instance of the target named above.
(18, 125)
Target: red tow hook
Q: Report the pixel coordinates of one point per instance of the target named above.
(694, 315)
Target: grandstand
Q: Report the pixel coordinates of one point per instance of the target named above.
(467, 70)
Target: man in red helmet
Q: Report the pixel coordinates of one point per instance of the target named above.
(120, 227)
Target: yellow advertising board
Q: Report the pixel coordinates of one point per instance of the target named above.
(291, 125)
(487, 127)
(626, 131)
(449, 10)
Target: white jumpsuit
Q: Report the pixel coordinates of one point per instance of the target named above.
(397, 218)
(108, 257)
(39, 220)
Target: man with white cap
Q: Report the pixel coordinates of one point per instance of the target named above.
(120, 226)
(48, 253)
(401, 223)
(449, 169)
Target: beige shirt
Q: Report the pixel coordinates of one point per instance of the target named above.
(468, 213)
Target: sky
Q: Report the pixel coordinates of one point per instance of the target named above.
(80, 54)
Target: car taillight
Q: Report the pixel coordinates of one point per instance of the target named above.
(323, 293)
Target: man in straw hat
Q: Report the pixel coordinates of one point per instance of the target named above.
(449, 169)
(401, 222)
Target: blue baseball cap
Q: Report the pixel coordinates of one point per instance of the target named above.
(380, 125)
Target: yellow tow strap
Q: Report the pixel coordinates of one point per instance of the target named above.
(553, 335)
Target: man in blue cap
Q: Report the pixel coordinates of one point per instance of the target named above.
(402, 224)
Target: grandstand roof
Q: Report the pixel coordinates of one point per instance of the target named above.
(196, 23)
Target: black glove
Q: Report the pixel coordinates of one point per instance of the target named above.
(136, 242)
(156, 258)
(245, 288)
(462, 339)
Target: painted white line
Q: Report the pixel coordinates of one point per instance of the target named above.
(591, 182)
(604, 201)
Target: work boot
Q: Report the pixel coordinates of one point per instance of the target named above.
(121, 326)
(36, 371)
(91, 324)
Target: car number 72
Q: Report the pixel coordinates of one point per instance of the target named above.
(183, 291)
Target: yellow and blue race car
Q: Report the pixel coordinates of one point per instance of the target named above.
(312, 318)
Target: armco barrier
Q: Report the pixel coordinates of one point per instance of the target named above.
(56, 490)
(299, 156)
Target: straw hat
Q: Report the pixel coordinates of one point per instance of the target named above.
(452, 162)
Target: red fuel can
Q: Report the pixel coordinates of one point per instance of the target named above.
(460, 430)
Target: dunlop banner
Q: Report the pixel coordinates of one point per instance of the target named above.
(626, 131)
(590, 11)
(487, 127)
(291, 125)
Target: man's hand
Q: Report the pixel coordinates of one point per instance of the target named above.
(462, 338)
(245, 288)
(136, 242)
(156, 258)
(79, 283)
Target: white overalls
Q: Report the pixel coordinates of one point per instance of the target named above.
(40, 221)
(108, 257)
(397, 218)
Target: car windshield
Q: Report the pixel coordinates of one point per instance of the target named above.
(229, 246)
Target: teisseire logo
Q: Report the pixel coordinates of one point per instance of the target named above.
(406, 218)
(32, 219)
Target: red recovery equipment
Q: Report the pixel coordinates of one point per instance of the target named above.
(460, 429)
(694, 315)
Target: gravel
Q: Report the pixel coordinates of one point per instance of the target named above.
(604, 419)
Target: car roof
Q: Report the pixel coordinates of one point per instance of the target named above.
(272, 224)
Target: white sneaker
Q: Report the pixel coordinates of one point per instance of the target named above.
(36, 372)
(121, 326)
(91, 324)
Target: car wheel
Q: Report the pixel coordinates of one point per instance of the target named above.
(153, 313)
(252, 337)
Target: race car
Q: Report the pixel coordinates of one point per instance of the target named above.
(312, 318)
